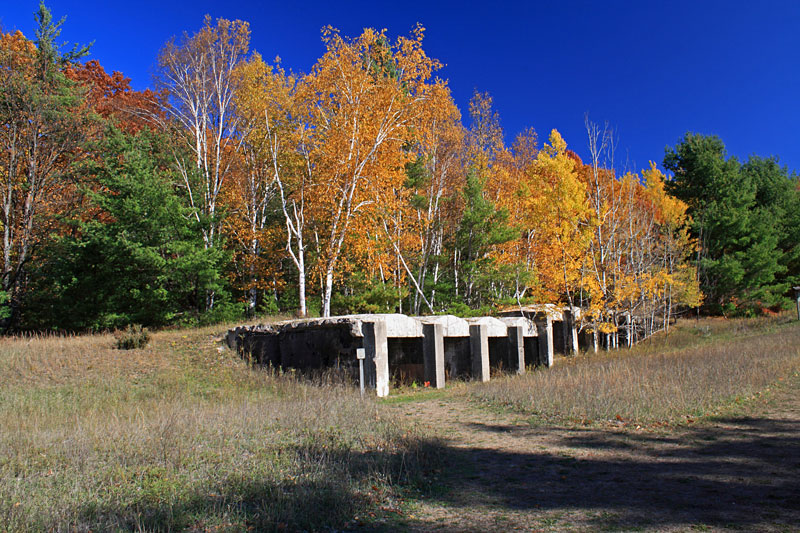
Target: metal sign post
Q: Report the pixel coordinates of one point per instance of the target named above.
(361, 355)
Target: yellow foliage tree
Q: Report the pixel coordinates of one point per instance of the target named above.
(362, 101)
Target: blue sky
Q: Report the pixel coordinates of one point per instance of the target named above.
(654, 70)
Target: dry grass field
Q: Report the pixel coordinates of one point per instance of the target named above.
(699, 370)
(696, 432)
(183, 435)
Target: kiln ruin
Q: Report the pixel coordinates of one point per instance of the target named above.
(426, 349)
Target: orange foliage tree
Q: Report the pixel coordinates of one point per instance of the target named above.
(44, 121)
(362, 101)
(111, 96)
(274, 170)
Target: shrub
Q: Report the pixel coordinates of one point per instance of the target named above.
(132, 337)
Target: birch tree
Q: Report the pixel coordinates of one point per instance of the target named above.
(198, 73)
(363, 98)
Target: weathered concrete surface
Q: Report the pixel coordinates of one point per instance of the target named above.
(263, 349)
(544, 326)
(397, 325)
(332, 346)
(376, 365)
(402, 348)
(563, 333)
(554, 312)
(452, 325)
(516, 349)
(528, 326)
(494, 326)
(570, 331)
(236, 336)
(433, 354)
(304, 324)
(479, 348)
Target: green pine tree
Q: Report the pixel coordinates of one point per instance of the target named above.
(140, 260)
(734, 208)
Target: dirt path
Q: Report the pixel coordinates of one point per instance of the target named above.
(501, 474)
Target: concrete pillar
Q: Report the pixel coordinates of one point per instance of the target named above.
(544, 326)
(570, 333)
(376, 346)
(479, 350)
(516, 349)
(433, 354)
(797, 300)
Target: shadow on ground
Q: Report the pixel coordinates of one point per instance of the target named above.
(738, 472)
(327, 489)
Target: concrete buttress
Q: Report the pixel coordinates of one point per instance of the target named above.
(376, 346)
(479, 350)
(516, 349)
(544, 326)
(433, 354)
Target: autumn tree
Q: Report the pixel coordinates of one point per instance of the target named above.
(112, 97)
(561, 207)
(264, 100)
(409, 244)
(43, 124)
(485, 138)
(481, 223)
(140, 260)
(435, 180)
(198, 73)
(512, 185)
(362, 99)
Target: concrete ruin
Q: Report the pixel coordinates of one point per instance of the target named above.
(427, 349)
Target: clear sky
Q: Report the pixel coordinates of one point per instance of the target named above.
(654, 70)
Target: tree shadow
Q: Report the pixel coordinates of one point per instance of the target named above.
(343, 485)
(741, 471)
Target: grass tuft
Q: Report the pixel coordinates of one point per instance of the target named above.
(133, 337)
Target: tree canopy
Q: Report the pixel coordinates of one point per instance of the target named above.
(241, 187)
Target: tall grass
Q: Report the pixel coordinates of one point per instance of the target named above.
(182, 434)
(719, 362)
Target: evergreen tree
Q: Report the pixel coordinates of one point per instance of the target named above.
(139, 260)
(44, 124)
(739, 259)
(482, 226)
(778, 197)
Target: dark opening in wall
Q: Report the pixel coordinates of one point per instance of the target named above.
(558, 337)
(457, 361)
(406, 364)
(532, 351)
(498, 354)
